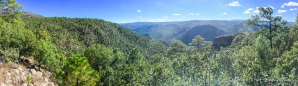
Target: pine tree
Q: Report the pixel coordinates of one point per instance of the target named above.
(78, 72)
(265, 19)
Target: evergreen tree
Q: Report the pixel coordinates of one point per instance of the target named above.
(265, 19)
(78, 72)
(287, 66)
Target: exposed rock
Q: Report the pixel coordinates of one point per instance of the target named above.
(24, 84)
(22, 76)
(32, 71)
(38, 74)
(16, 71)
(51, 84)
(2, 84)
(226, 40)
(223, 41)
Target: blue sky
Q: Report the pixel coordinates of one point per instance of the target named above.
(124, 11)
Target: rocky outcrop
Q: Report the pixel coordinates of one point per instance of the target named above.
(226, 40)
(16, 75)
(223, 41)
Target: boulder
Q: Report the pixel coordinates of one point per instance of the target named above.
(24, 84)
(32, 71)
(38, 74)
(2, 84)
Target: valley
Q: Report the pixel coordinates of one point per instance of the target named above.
(186, 30)
(73, 46)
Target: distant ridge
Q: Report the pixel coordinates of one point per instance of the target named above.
(167, 31)
(25, 13)
(208, 32)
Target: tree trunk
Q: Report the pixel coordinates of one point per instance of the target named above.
(77, 82)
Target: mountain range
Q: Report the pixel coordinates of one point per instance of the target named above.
(186, 30)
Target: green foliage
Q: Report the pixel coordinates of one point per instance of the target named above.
(99, 56)
(11, 54)
(11, 36)
(45, 52)
(265, 17)
(135, 57)
(108, 62)
(29, 79)
(77, 71)
(76, 34)
(287, 64)
(200, 44)
(237, 40)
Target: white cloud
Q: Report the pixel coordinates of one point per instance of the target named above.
(277, 15)
(292, 9)
(289, 4)
(140, 16)
(248, 10)
(165, 17)
(198, 14)
(176, 14)
(191, 13)
(256, 11)
(281, 11)
(271, 7)
(160, 19)
(234, 3)
(224, 13)
(139, 11)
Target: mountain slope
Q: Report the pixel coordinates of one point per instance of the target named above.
(75, 34)
(167, 31)
(208, 32)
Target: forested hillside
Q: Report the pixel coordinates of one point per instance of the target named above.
(94, 52)
(167, 31)
(76, 34)
(207, 32)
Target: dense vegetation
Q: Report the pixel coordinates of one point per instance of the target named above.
(82, 51)
(76, 34)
